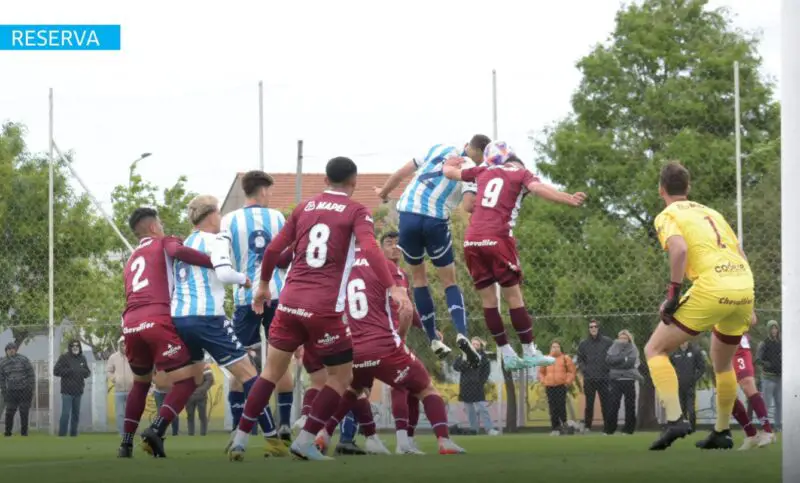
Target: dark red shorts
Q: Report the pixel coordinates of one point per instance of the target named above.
(743, 364)
(492, 260)
(324, 334)
(399, 369)
(154, 342)
(311, 361)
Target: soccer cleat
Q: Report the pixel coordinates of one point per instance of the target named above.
(323, 440)
(229, 445)
(375, 446)
(125, 451)
(765, 439)
(447, 446)
(274, 447)
(440, 349)
(671, 433)
(407, 449)
(308, 451)
(285, 433)
(537, 359)
(493, 432)
(153, 444)
(513, 363)
(473, 358)
(717, 440)
(749, 443)
(348, 448)
(236, 453)
(413, 445)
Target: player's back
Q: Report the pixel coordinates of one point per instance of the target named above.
(198, 292)
(500, 191)
(370, 314)
(713, 259)
(324, 252)
(430, 193)
(148, 281)
(252, 228)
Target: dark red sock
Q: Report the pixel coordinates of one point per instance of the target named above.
(495, 325)
(413, 414)
(362, 411)
(257, 400)
(761, 411)
(400, 409)
(325, 404)
(134, 408)
(523, 324)
(740, 414)
(308, 400)
(345, 405)
(174, 402)
(436, 411)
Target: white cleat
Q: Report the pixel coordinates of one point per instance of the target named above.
(447, 446)
(493, 432)
(749, 443)
(413, 445)
(407, 449)
(300, 423)
(230, 442)
(765, 439)
(375, 446)
(440, 349)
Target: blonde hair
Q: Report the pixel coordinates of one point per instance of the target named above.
(627, 333)
(480, 341)
(200, 207)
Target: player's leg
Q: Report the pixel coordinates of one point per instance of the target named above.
(523, 324)
(246, 324)
(723, 347)
(413, 419)
(346, 404)
(494, 322)
(748, 385)
(400, 412)
(362, 411)
(739, 413)
(285, 387)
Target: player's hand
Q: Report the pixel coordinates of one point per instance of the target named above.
(753, 319)
(379, 193)
(260, 298)
(400, 296)
(247, 282)
(577, 199)
(455, 161)
(672, 301)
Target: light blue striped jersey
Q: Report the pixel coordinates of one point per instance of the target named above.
(198, 292)
(251, 229)
(430, 193)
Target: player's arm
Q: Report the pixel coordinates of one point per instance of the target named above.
(672, 240)
(276, 248)
(396, 178)
(550, 193)
(285, 258)
(174, 247)
(453, 169)
(221, 260)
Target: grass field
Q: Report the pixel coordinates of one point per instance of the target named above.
(527, 457)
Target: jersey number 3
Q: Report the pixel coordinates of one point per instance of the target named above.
(137, 267)
(317, 250)
(492, 192)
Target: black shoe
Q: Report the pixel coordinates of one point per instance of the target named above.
(285, 433)
(473, 358)
(672, 432)
(125, 451)
(348, 448)
(153, 444)
(716, 440)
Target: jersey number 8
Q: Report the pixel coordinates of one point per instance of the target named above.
(317, 250)
(357, 299)
(492, 192)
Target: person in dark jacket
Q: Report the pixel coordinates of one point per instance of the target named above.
(16, 385)
(690, 366)
(592, 353)
(768, 357)
(472, 388)
(198, 402)
(623, 363)
(73, 369)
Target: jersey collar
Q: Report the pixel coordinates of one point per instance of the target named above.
(332, 192)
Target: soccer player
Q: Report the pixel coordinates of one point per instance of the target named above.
(150, 337)
(424, 209)
(703, 248)
(198, 307)
(252, 228)
(379, 351)
(490, 249)
(324, 230)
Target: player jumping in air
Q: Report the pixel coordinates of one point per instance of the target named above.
(150, 337)
(252, 228)
(703, 248)
(324, 230)
(198, 307)
(424, 209)
(490, 249)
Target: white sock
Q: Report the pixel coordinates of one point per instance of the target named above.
(529, 349)
(240, 438)
(402, 439)
(304, 438)
(508, 351)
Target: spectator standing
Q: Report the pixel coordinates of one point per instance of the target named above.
(592, 353)
(161, 387)
(198, 402)
(73, 369)
(472, 388)
(119, 374)
(769, 358)
(16, 385)
(623, 363)
(690, 366)
(557, 378)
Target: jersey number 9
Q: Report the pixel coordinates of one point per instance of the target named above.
(492, 192)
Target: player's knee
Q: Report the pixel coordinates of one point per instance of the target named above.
(447, 274)
(513, 296)
(419, 275)
(427, 391)
(652, 349)
(748, 386)
(286, 383)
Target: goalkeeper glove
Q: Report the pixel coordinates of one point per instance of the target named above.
(671, 303)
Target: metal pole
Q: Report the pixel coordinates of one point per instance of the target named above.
(298, 177)
(51, 336)
(500, 387)
(261, 126)
(790, 236)
(738, 135)
(494, 104)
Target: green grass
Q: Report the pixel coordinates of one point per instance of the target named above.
(528, 457)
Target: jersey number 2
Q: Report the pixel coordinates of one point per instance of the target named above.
(492, 192)
(716, 231)
(357, 299)
(138, 269)
(317, 250)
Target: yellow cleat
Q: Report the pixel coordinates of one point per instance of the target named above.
(236, 454)
(275, 447)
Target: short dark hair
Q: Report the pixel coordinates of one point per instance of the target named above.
(252, 181)
(139, 215)
(340, 169)
(389, 234)
(675, 179)
(514, 159)
(479, 142)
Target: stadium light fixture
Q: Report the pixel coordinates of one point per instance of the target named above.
(133, 166)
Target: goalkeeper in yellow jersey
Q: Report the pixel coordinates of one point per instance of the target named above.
(702, 248)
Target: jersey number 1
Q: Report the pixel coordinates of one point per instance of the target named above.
(492, 192)
(716, 231)
(317, 250)
(137, 267)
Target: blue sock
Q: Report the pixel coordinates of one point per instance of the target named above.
(455, 304)
(348, 429)
(265, 419)
(427, 314)
(285, 400)
(236, 402)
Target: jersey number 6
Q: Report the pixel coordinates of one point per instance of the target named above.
(357, 299)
